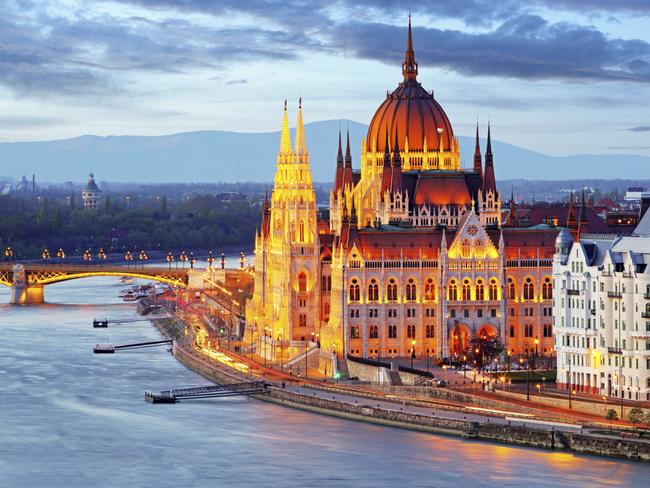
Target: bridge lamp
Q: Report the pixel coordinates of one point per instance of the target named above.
(223, 260)
(9, 253)
(210, 259)
(170, 259)
(241, 260)
(60, 254)
(46, 254)
(143, 257)
(128, 257)
(101, 254)
(192, 260)
(183, 258)
(87, 255)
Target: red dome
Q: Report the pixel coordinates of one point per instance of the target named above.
(410, 111)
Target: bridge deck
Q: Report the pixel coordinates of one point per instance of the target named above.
(212, 391)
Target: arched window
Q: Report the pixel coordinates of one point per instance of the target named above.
(529, 289)
(373, 332)
(429, 290)
(355, 293)
(547, 289)
(411, 291)
(494, 289)
(480, 290)
(302, 282)
(373, 291)
(302, 231)
(512, 289)
(466, 248)
(391, 291)
(467, 290)
(478, 248)
(453, 291)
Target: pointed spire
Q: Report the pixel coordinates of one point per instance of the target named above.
(339, 155)
(397, 160)
(301, 145)
(386, 152)
(285, 137)
(571, 216)
(443, 242)
(348, 156)
(489, 181)
(583, 209)
(409, 67)
(478, 161)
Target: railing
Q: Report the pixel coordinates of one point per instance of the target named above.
(572, 291)
(395, 264)
(614, 350)
(628, 274)
(640, 333)
(302, 249)
(645, 315)
(529, 263)
(607, 274)
(614, 294)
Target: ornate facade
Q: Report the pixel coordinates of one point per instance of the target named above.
(413, 254)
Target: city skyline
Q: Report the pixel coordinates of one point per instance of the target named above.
(561, 80)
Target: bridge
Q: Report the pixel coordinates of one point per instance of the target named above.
(27, 279)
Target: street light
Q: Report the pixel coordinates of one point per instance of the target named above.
(60, 254)
(183, 258)
(412, 352)
(143, 257)
(223, 260)
(170, 259)
(128, 257)
(9, 253)
(241, 260)
(210, 260)
(101, 254)
(87, 255)
(192, 260)
(46, 254)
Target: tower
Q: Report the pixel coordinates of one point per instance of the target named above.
(91, 194)
(489, 200)
(285, 303)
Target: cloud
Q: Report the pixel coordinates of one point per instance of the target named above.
(642, 128)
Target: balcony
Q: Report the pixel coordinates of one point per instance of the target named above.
(572, 291)
(614, 294)
(645, 334)
(614, 350)
(607, 274)
(645, 315)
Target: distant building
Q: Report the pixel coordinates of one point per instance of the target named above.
(91, 194)
(602, 313)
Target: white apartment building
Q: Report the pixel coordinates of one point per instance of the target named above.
(601, 313)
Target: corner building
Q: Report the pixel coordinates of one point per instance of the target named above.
(413, 253)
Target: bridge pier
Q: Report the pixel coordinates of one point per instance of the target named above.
(27, 294)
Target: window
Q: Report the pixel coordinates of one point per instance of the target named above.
(453, 291)
(529, 289)
(547, 289)
(373, 332)
(467, 290)
(373, 291)
(429, 290)
(354, 332)
(480, 290)
(494, 290)
(548, 330)
(302, 320)
(302, 282)
(466, 248)
(430, 331)
(512, 289)
(391, 291)
(392, 332)
(302, 231)
(373, 312)
(355, 293)
(392, 312)
(411, 291)
(410, 331)
(528, 330)
(512, 331)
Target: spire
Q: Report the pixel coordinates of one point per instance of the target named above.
(348, 156)
(512, 217)
(386, 152)
(397, 160)
(409, 67)
(478, 161)
(571, 216)
(583, 209)
(489, 181)
(338, 178)
(396, 178)
(387, 178)
(301, 147)
(285, 137)
(339, 155)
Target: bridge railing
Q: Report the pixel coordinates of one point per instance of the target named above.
(97, 266)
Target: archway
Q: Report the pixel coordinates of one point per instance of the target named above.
(459, 340)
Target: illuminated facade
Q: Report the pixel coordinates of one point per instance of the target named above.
(602, 313)
(414, 253)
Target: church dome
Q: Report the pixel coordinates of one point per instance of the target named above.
(410, 113)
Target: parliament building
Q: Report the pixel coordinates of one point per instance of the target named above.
(416, 253)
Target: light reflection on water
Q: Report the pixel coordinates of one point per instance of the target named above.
(71, 418)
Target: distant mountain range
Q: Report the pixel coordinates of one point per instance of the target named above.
(213, 156)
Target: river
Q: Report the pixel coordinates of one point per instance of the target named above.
(69, 418)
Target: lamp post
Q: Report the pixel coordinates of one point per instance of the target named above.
(128, 257)
(241, 260)
(9, 253)
(101, 255)
(60, 254)
(210, 260)
(192, 260)
(170, 259)
(183, 258)
(143, 257)
(46, 254)
(87, 255)
(223, 260)
(412, 352)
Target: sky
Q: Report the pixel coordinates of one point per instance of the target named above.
(557, 76)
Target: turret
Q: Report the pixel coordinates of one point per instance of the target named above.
(478, 161)
(347, 169)
(489, 181)
(409, 67)
(285, 155)
(338, 178)
(301, 145)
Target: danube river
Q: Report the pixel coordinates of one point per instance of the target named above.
(69, 418)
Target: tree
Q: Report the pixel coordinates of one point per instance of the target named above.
(611, 415)
(636, 416)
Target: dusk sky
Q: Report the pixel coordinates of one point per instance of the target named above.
(560, 77)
